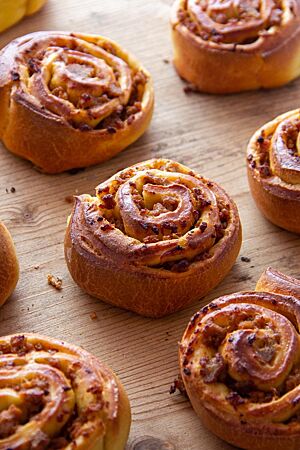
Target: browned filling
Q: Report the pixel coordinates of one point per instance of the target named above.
(35, 393)
(122, 115)
(290, 132)
(233, 17)
(165, 230)
(215, 369)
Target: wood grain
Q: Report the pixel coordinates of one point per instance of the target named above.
(209, 134)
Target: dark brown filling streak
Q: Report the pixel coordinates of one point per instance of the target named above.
(36, 397)
(124, 114)
(213, 35)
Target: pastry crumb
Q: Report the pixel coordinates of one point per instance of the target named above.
(178, 385)
(54, 281)
(36, 267)
(245, 259)
(189, 88)
(93, 315)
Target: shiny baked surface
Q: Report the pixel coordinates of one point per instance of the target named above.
(82, 96)
(57, 396)
(240, 363)
(171, 232)
(210, 136)
(273, 160)
(246, 41)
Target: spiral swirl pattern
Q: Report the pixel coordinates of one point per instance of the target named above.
(158, 213)
(252, 44)
(57, 396)
(273, 159)
(155, 237)
(81, 78)
(78, 98)
(240, 360)
(233, 22)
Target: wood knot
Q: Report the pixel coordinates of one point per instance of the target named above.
(151, 443)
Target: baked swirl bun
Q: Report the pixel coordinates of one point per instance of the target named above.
(12, 12)
(240, 363)
(225, 46)
(57, 396)
(154, 238)
(9, 265)
(274, 170)
(70, 100)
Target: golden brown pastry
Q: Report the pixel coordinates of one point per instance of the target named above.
(154, 238)
(240, 364)
(236, 45)
(273, 160)
(273, 281)
(9, 265)
(70, 100)
(11, 11)
(54, 395)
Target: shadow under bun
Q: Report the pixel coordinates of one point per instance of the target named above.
(70, 100)
(273, 161)
(56, 395)
(240, 364)
(154, 238)
(229, 46)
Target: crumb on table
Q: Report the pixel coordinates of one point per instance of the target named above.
(54, 281)
(93, 315)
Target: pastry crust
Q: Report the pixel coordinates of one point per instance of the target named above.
(13, 12)
(233, 46)
(272, 280)
(156, 237)
(58, 395)
(273, 161)
(71, 100)
(240, 364)
(9, 265)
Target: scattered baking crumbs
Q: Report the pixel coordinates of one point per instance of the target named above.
(189, 89)
(54, 281)
(69, 199)
(93, 315)
(166, 61)
(245, 259)
(12, 190)
(36, 267)
(178, 385)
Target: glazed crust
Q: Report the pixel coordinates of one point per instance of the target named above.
(156, 237)
(70, 100)
(9, 266)
(272, 280)
(65, 397)
(274, 170)
(240, 364)
(261, 50)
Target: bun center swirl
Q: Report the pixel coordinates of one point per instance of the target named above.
(285, 151)
(51, 397)
(233, 21)
(275, 149)
(243, 353)
(84, 79)
(157, 213)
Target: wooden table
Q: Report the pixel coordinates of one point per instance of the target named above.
(209, 134)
